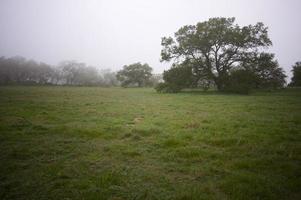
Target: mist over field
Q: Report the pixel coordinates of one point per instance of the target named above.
(110, 34)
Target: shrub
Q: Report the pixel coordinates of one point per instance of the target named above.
(176, 78)
(167, 88)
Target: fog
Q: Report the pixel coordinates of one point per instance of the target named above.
(110, 34)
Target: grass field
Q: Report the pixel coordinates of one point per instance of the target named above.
(113, 143)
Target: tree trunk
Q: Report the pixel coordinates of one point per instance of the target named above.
(218, 83)
(221, 81)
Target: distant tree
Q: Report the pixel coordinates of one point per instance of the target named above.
(56, 76)
(135, 74)
(44, 73)
(88, 75)
(71, 71)
(17, 69)
(76, 73)
(108, 78)
(296, 79)
(215, 47)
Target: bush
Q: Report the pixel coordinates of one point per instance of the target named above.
(167, 88)
(176, 78)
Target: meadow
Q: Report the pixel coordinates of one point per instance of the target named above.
(115, 143)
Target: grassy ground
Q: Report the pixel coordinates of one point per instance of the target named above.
(112, 143)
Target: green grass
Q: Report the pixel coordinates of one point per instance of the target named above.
(113, 143)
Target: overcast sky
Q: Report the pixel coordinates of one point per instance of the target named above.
(112, 33)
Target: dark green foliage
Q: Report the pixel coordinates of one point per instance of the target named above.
(241, 81)
(161, 87)
(136, 74)
(217, 46)
(267, 71)
(167, 88)
(296, 79)
(176, 78)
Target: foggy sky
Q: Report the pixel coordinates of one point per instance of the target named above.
(113, 33)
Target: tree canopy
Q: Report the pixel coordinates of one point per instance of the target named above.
(217, 46)
(266, 71)
(135, 74)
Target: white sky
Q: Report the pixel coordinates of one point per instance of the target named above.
(113, 33)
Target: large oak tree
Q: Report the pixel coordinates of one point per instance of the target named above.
(216, 46)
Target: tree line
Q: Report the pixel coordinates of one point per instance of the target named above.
(18, 70)
(212, 54)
